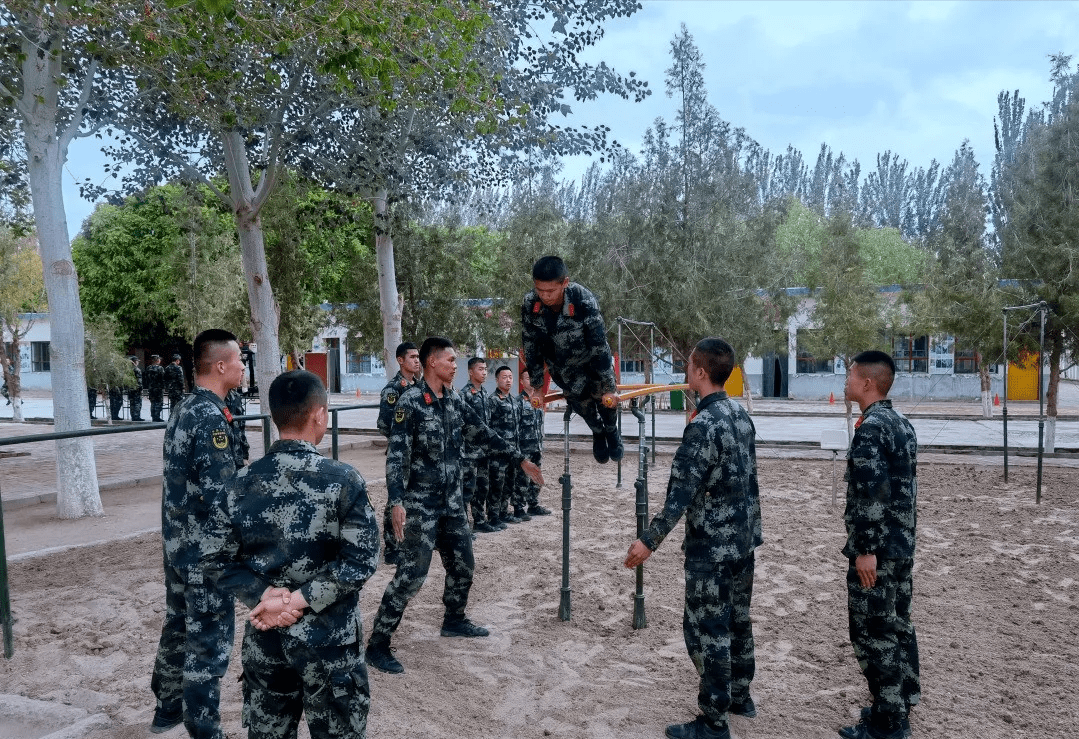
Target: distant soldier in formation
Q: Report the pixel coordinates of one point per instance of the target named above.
(714, 484)
(408, 363)
(475, 467)
(562, 330)
(423, 482)
(116, 402)
(174, 383)
(505, 421)
(134, 395)
(91, 399)
(531, 443)
(295, 540)
(881, 516)
(154, 379)
(241, 447)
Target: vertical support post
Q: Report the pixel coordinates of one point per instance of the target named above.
(835, 456)
(641, 486)
(5, 595)
(334, 445)
(564, 608)
(266, 438)
(1004, 411)
(618, 481)
(1043, 308)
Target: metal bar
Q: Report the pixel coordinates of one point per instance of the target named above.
(564, 609)
(1004, 411)
(52, 436)
(5, 596)
(1044, 309)
(618, 481)
(641, 487)
(333, 433)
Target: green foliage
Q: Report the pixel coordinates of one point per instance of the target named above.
(22, 286)
(106, 363)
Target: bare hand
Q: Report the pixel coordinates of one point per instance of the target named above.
(398, 518)
(638, 553)
(278, 607)
(610, 400)
(866, 566)
(531, 469)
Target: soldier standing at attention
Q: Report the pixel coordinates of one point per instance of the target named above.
(714, 483)
(562, 329)
(298, 521)
(241, 447)
(196, 636)
(134, 395)
(408, 363)
(531, 442)
(475, 468)
(506, 422)
(423, 481)
(881, 516)
(174, 383)
(155, 387)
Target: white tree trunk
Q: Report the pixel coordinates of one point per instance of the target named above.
(1050, 434)
(13, 370)
(746, 393)
(265, 315)
(77, 493)
(390, 301)
(987, 391)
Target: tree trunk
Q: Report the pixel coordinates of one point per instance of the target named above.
(390, 301)
(77, 493)
(987, 389)
(13, 371)
(745, 389)
(1056, 352)
(265, 316)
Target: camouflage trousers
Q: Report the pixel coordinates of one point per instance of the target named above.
(526, 492)
(390, 545)
(476, 485)
(503, 476)
(193, 654)
(157, 404)
(424, 533)
(284, 677)
(588, 404)
(134, 402)
(882, 634)
(116, 404)
(719, 633)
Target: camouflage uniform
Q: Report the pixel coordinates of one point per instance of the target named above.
(505, 415)
(475, 467)
(714, 482)
(387, 402)
(531, 442)
(241, 447)
(423, 474)
(196, 637)
(116, 402)
(155, 390)
(295, 519)
(881, 516)
(174, 385)
(134, 396)
(573, 346)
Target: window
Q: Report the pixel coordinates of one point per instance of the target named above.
(39, 356)
(633, 365)
(966, 361)
(911, 353)
(358, 363)
(807, 363)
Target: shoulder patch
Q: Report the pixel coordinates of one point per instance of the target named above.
(221, 439)
(400, 415)
(570, 310)
(391, 397)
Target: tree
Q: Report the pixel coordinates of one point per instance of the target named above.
(22, 291)
(106, 362)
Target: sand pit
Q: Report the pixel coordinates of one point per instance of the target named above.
(997, 593)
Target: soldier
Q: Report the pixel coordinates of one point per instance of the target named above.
(423, 481)
(531, 442)
(116, 402)
(562, 329)
(155, 387)
(505, 414)
(296, 521)
(196, 636)
(241, 447)
(174, 383)
(134, 395)
(91, 399)
(880, 516)
(714, 482)
(475, 468)
(408, 363)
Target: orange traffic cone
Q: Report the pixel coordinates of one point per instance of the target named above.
(996, 399)
(831, 398)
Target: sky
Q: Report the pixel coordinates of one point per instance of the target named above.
(915, 78)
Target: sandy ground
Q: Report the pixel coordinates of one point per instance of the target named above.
(996, 611)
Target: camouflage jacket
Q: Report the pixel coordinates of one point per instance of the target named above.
(174, 380)
(138, 380)
(241, 447)
(198, 460)
(505, 417)
(155, 378)
(714, 482)
(388, 398)
(882, 485)
(531, 435)
(298, 520)
(572, 344)
(423, 462)
(476, 397)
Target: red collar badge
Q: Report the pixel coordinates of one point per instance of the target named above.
(228, 416)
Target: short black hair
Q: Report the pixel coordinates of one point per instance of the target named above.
(500, 370)
(716, 357)
(403, 348)
(549, 269)
(155, 357)
(205, 345)
(432, 344)
(293, 395)
(879, 367)
(476, 360)
(176, 357)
